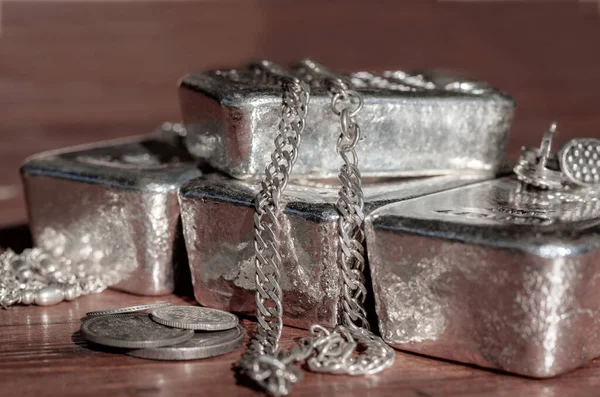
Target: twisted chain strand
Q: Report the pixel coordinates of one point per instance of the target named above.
(272, 370)
(325, 351)
(334, 350)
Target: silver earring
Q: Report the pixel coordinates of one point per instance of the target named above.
(539, 166)
(576, 165)
(580, 162)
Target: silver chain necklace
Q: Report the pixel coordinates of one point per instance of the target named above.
(331, 352)
(36, 277)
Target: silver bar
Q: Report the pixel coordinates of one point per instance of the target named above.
(113, 206)
(217, 216)
(492, 274)
(415, 124)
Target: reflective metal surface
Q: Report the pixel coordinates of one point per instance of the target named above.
(415, 125)
(202, 345)
(493, 274)
(114, 207)
(217, 216)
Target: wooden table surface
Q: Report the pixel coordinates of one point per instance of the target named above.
(43, 354)
(81, 71)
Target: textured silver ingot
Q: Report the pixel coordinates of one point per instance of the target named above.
(415, 125)
(217, 216)
(494, 274)
(112, 206)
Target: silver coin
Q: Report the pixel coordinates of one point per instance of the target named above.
(194, 317)
(133, 331)
(128, 309)
(202, 345)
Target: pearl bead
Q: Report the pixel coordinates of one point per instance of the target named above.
(70, 293)
(47, 266)
(18, 264)
(47, 296)
(27, 297)
(24, 274)
(55, 276)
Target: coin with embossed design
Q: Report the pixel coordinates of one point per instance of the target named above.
(202, 345)
(132, 331)
(194, 317)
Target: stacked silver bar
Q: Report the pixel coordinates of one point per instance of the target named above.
(495, 274)
(217, 215)
(113, 206)
(418, 124)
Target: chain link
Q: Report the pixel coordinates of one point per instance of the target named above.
(334, 350)
(325, 351)
(261, 362)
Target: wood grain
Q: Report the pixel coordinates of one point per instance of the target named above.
(74, 72)
(43, 354)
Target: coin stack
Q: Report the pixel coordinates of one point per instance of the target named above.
(167, 333)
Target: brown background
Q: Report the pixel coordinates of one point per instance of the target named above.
(80, 71)
(73, 72)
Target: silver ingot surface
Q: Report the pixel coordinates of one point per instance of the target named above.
(441, 125)
(493, 274)
(112, 206)
(217, 217)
